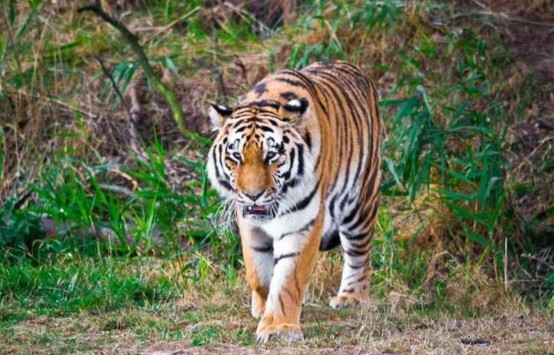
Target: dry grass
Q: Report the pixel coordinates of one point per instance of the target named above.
(216, 319)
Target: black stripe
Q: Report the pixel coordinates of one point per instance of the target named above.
(355, 252)
(364, 277)
(225, 184)
(343, 202)
(332, 206)
(284, 256)
(317, 98)
(292, 82)
(361, 80)
(226, 161)
(289, 96)
(247, 119)
(303, 229)
(219, 150)
(214, 158)
(264, 249)
(308, 140)
(357, 75)
(355, 236)
(351, 276)
(300, 159)
(307, 82)
(291, 184)
(363, 243)
(303, 203)
(351, 215)
(360, 279)
(238, 130)
(242, 119)
(261, 103)
(287, 174)
(271, 121)
(271, 103)
(356, 267)
(369, 181)
(225, 175)
(372, 215)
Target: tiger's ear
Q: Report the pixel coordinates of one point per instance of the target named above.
(218, 114)
(294, 109)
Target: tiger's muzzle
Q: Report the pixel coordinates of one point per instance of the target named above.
(258, 205)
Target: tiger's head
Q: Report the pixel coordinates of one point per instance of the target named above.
(259, 155)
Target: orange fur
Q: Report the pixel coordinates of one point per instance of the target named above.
(253, 176)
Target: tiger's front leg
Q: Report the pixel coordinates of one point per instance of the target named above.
(295, 257)
(257, 250)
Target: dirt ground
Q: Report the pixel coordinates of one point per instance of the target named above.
(491, 335)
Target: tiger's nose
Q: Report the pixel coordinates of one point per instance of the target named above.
(253, 195)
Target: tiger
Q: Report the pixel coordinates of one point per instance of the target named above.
(299, 157)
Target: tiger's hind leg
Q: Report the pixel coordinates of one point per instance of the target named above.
(354, 286)
(356, 231)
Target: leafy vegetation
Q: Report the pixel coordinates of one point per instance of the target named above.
(106, 211)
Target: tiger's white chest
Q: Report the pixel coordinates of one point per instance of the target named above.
(292, 222)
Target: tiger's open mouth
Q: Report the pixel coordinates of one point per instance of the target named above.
(259, 211)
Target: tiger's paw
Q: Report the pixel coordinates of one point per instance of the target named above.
(288, 331)
(344, 300)
(257, 306)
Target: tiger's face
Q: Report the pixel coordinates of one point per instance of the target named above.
(258, 156)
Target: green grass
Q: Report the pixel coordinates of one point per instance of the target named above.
(71, 286)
